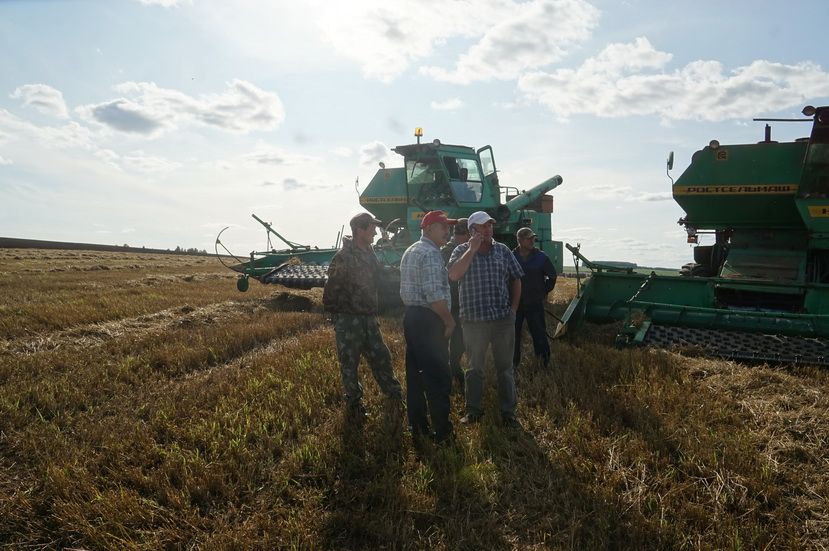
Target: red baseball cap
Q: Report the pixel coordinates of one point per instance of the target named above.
(436, 217)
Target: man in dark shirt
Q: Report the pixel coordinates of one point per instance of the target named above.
(539, 279)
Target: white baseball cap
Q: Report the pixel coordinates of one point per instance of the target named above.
(479, 217)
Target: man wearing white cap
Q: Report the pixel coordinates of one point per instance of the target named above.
(490, 290)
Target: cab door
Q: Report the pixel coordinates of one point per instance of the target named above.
(490, 175)
(487, 160)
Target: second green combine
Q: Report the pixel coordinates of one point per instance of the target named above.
(760, 290)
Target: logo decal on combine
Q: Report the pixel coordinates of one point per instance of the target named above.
(400, 200)
(776, 189)
(418, 215)
(721, 155)
(821, 211)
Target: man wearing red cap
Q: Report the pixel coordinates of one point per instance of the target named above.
(427, 326)
(351, 296)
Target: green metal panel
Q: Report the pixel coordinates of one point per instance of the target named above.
(386, 195)
(742, 186)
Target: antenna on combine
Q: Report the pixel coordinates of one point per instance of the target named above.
(670, 166)
(767, 132)
(808, 111)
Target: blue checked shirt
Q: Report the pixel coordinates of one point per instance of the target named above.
(423, 276)
(484, 288)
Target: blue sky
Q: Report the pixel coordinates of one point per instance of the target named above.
(160, 122)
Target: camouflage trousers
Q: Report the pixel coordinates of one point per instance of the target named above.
(360, 335)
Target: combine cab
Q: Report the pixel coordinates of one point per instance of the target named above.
(761, 290)
(457, 179)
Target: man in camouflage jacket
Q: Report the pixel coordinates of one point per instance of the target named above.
(350, 295)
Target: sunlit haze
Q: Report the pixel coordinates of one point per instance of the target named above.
(159, 122)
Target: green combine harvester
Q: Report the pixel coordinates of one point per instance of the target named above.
(760, 291)
(454, 178)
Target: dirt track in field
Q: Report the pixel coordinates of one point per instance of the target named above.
(95, 334)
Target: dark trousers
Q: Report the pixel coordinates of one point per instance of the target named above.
(427, 371)
(456, 350)
(534, 314)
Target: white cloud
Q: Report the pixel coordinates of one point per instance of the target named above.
(655, 196)
(291, 184)
(383, 40)
(216, 165)
(631, 79)
(607, 192)
(575, 235)
(150, 110)
(4, 161)
(386, 38)
(136, 161)
(342, 151)
(66, 136)
(618, 192)
(447, 105)
(165, 3)
(376, 152)
(269, 155)
(42, 97)
(529, 35)
(109, 157)
(141, 162)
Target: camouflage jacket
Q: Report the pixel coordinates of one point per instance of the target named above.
(352, 281)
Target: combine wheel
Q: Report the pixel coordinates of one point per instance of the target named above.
(243, 283)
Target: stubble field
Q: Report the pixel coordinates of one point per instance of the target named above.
(147, 404)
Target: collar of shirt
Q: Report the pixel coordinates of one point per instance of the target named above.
(517, 251)
(429, 242)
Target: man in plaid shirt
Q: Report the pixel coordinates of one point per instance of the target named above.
(427, 325)
(490, 291)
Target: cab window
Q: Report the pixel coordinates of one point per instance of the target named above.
(420, 172)
(465, 179)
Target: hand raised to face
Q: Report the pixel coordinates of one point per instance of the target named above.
(475, 241)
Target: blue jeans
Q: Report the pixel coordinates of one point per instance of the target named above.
(478, 336)
(534, 314)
